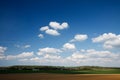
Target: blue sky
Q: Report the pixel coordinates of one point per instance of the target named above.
(76, 32)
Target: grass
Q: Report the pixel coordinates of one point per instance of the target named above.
(60, 70)
(100, 71)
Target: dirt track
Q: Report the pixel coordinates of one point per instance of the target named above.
(38, 76)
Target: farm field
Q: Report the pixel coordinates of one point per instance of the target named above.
(59, 70)
(47, 76)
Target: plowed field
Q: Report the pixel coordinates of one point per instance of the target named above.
(39, 76)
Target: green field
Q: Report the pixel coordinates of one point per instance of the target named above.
(61, 70)
(113, 71)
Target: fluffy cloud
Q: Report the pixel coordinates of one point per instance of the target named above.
(48, 56)
(53, 28)
(69, 46)
(77, 55)
(52, 32)
(25, 54)
(99, 54)
(56, 25)
(109, 40)
(79, 37)
(106, 36)
(48, 50)
(2, 57)
(41, 36)
(46, 60)
(49, 31)
(22, 55)
(2, 50)
(81, 57)
(112, 44)
(91, 55)
(44, 28)
(35, 59)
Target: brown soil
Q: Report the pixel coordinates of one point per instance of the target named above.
(38, 76)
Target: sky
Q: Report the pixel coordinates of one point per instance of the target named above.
(60, 32)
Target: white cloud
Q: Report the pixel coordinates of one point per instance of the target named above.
(2, 50)
(48, 56)
(64, 25)
(47, 60)
(44, 28)
(27, 46)
(109, 40)
(69, 46)
(23, 46)
(25, 54)
(106, 36)
(11, 57)
(99, 54)
(35, 59)
(2, 57)
(48, 50)
(19, 56)
(92, 56)
(52, 32)
(82, 57)
(53, 28)
(79, 37)
(56, 25)
(77, 55)
(41, 36)
(112, 44)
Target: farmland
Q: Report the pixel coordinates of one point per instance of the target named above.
(60, 70)
(46, 76)
(59, 73)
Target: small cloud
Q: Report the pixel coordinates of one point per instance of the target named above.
(58, 26)
(49, 53)
(79, 37)
(27, 46)
(52, 32)
(48, 50)
(2, 50)
(69, 46)
(53, 28)
(41, 36)
(44, 28)
(35, 59)
(48, 56)
(22, 47)
(77, 55)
